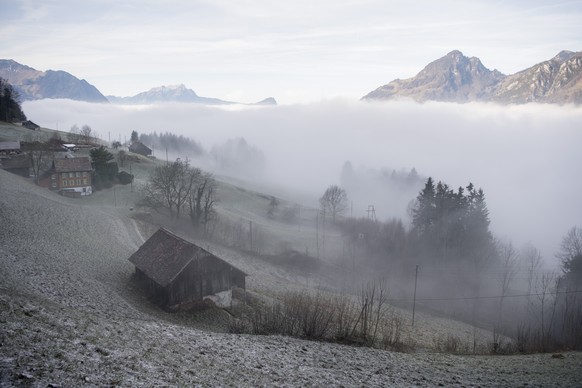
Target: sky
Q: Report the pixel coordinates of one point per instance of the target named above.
(295, 51)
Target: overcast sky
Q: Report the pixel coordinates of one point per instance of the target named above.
(295, 51)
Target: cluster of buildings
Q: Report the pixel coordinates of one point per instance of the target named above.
(173, 272)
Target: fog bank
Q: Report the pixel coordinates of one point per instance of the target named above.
(526, 158)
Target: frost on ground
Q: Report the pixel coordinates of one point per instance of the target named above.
(70, 316)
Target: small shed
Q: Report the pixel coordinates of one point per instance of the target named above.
(139, 148)
(176, 273)
(30, 125)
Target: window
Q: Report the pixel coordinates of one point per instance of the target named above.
(78, 174)
(78, 182)
(54, 176)
(84, 174)
(64, 182)
(84, 181)
(54, 184)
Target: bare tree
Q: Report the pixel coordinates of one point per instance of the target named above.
(170, 186)
(571, 248)
(531, 259)
(86, 133)
(334, 201)
(208, 201)
(202, 199)
(40, 158)
(373, 299)
(508, 256)
(545, 284)
(74, 134)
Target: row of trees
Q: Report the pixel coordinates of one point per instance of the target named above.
(169, 141)
(83, 135)
(180, 188)
(10, 109)
(451, 225)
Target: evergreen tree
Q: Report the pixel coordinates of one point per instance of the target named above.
(105, 170)
(10, 109)
(134, 137)
(424, 213)
(451, 225)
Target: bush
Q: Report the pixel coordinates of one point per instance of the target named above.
(451, 344)
(328, 318)
(124, 178)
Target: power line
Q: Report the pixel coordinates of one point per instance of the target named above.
(485, 297)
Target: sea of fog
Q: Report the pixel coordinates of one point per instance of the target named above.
(527, 158)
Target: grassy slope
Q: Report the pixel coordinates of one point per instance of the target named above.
(71, 315)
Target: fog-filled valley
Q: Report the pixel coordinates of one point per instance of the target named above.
(359, 230)
(524, 157)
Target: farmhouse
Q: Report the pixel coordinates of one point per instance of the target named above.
(70, 176)
(139, 148)
(176, 273)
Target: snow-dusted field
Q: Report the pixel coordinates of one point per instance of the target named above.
(70, 316)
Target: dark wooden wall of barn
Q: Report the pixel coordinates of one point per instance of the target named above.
(154, 291)
(204, 276)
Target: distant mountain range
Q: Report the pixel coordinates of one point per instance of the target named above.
(457, 78)
(177, 93)
(453, 78)
(34, 84)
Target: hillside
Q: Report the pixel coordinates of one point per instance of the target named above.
(71, 314)
(457, 78)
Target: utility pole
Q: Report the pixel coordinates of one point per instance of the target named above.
(251, 235)
(414, 300)
(371, 213)
(317, 233)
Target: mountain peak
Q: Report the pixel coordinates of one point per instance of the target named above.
(563, 56)
(456, 54)
(456, 78)
(453, 77)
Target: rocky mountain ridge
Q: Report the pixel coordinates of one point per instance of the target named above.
(457, 78)
(34, 84)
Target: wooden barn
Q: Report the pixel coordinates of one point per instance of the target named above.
(139, 148)
(177, 273)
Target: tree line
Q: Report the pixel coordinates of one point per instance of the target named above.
(450, 229)
(10, 109)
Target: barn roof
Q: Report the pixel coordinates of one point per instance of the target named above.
(82, 163)
(140, 148)
(16, 162)
(9, 145)
(164, 255)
